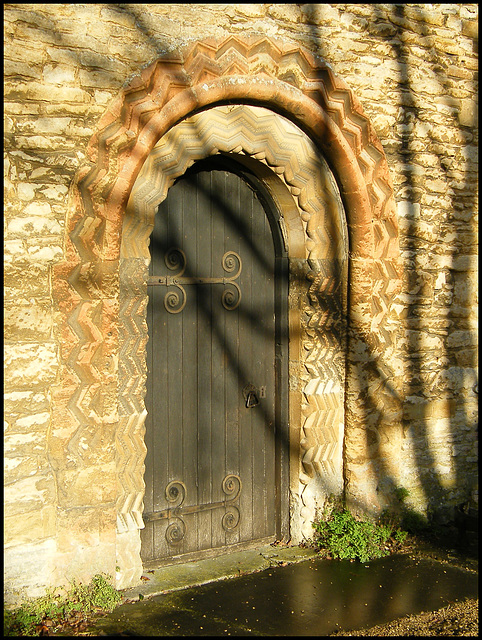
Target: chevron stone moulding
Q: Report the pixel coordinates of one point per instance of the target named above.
(284, 79)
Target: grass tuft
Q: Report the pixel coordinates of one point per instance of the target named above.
(341, 535)
(37, 614)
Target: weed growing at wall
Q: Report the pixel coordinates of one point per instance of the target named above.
(36, 616)
(339, 534)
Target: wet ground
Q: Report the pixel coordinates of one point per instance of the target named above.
(297, 593)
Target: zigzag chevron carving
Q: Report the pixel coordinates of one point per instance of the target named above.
(255, 132)
(130, 446)
(259, 57)
(287, 80)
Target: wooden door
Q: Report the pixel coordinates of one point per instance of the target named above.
(211, 389)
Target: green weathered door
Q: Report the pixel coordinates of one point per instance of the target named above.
(210, 430)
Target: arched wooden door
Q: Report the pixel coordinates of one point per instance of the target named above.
(212, 430)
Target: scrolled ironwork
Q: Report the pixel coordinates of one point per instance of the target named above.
(230, 519)
(230, 260)
(231, 298)
(175, 259)
(175, 492)
(175, 300)
(232, 486)
(176, 531)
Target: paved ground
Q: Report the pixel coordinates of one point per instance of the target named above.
(283, 591)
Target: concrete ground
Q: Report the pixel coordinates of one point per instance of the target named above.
(229, 565)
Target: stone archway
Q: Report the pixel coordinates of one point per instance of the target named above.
(99, 402)
(315, 236)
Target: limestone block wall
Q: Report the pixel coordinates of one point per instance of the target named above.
(413, 69)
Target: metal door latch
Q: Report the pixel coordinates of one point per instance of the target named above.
(252, 395)
(252, 400)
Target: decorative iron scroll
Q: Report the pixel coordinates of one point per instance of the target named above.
(176, 259)
(176, 494)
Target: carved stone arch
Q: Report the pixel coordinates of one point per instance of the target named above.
(99, 401)
(316, 240)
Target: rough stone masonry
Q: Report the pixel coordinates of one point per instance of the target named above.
(69, 72)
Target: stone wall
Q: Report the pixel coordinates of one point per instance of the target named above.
(413, 69)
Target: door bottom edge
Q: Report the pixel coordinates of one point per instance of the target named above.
(207, 554)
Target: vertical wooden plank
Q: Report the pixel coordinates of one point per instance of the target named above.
(157, 390)
(233, 387)
(175, 344)
(245, 363)
(204, 363)
(159, 411)
(174, 357)
(258, 355)
(272, 512)
(263, 368)
(267, 285)
(189, 376)
(219, 210)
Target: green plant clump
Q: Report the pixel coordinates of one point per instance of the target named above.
(342, 536)
(55, 606)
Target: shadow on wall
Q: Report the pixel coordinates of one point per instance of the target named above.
(439, 395)
(431, 287)
(436, 393)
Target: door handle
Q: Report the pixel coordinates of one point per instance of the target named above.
(251, 395)
(252, 400)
